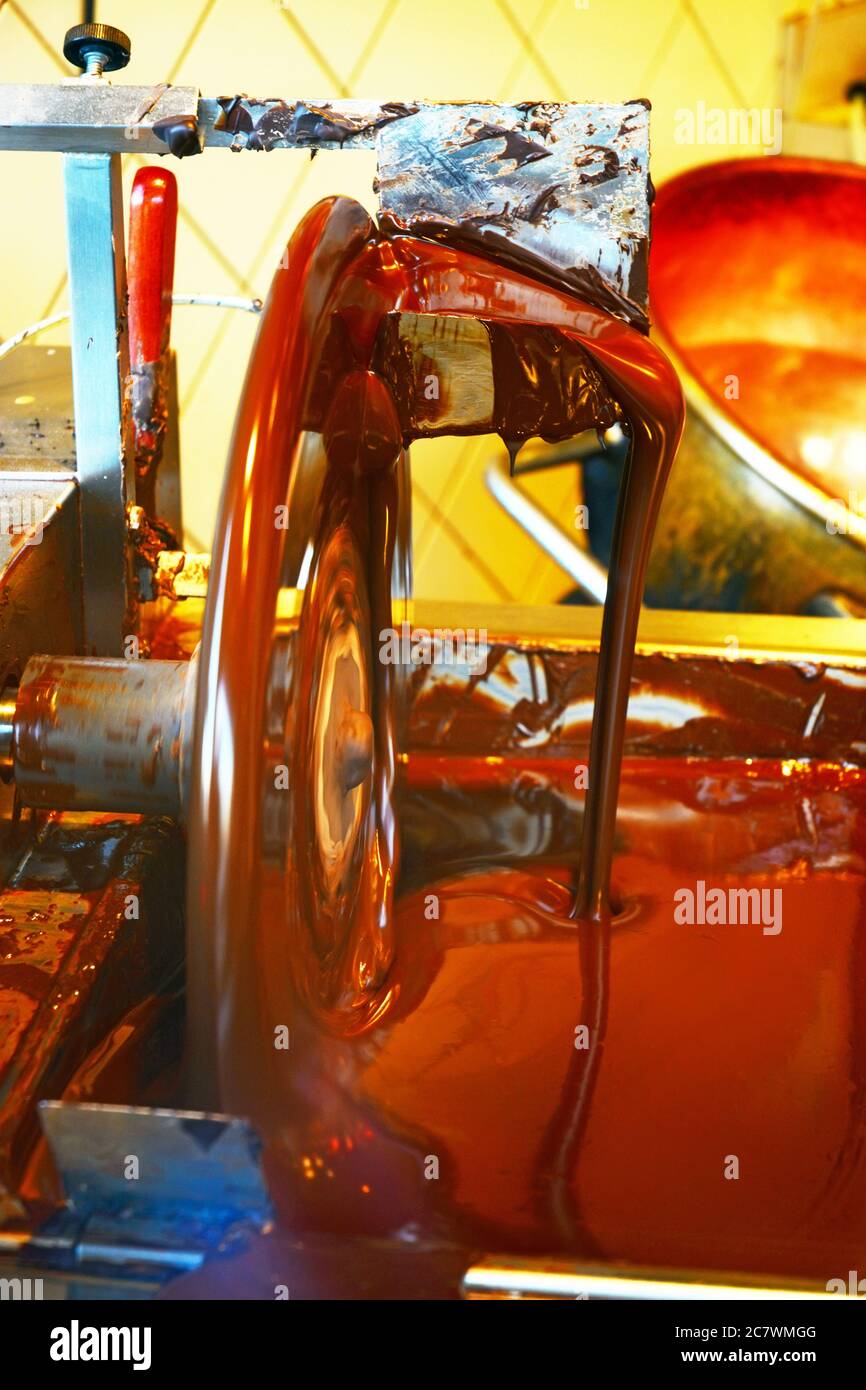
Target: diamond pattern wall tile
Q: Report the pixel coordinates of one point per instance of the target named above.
(442, 51)
(44, 25)
(347, 45)
(602, 52)
(685, 77)
(251, 48)
(32, 187)
(557, 492)
(209, 412)
(746, 37)
(456, 568)
(521, 73)
(240, 209)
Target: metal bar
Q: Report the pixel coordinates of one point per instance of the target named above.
(559, 188)
(118, 738)
(72, 117)
(97, 285)
(111, 118)
(89, 118)
(816, 643)
(582, 567)
(527, 1278)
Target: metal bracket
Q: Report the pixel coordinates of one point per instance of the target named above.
(155, 1189)
(100, 366)
(91, 118)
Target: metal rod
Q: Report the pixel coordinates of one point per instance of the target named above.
(103, 735)
(582, 567)
(205, 301)
(97, 281)
(7, 718)
(220, 301)
(534, 1278)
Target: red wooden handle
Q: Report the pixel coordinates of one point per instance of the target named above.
(150, 263)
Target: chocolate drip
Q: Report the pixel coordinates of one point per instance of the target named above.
(653, 404)
(545, 385)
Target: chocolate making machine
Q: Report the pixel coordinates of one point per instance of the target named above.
(209, 820)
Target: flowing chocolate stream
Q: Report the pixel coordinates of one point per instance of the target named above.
(651, 397)
(642, 381)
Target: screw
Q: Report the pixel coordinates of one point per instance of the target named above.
(94, 62)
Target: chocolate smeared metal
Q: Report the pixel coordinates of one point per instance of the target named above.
(559, 191)
(263, 125)
(546, 385)
(517, 145)
(537, 381)
(181, 134)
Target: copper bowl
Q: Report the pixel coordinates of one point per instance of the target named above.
(759, 294)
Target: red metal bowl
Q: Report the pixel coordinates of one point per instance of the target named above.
(759, 288)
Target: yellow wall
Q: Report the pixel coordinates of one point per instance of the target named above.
(238, 210)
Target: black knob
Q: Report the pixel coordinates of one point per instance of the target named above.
(96, 47)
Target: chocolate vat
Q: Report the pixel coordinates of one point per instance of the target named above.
(758, 296)
(444, 1125)
(437, 1091)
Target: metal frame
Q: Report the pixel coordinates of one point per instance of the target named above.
(494, 175)
(100, 366)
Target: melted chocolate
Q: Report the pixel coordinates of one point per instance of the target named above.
(356, 1096)
(469, 1064)
(545, 384)
(583, 281)
(262, 124)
